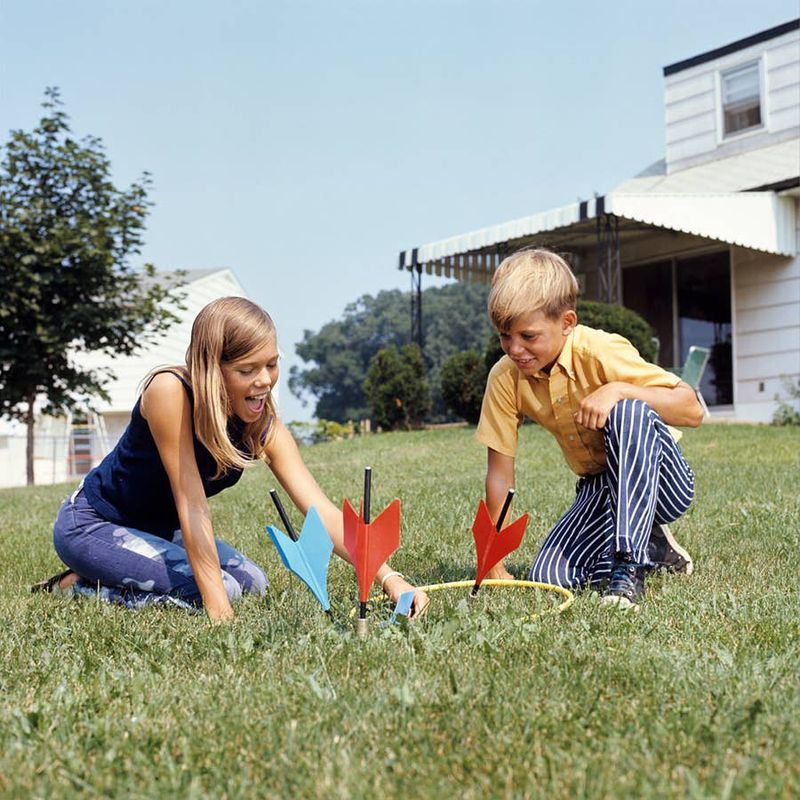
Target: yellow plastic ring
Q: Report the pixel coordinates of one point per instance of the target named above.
(569, 597)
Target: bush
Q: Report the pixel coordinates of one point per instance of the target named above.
(323, 430)
(616, 319)
(788, 411)
(463, 383)
(396, 389)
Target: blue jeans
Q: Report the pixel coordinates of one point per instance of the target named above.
(135, 568)
(647, 481)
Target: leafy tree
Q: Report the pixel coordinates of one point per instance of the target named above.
(463, 384)
(66, 236)
(454, 318)
(396, 389)
(341, 352)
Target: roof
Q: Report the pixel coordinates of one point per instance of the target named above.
(756, 220)
(753, 169)
(740, 44)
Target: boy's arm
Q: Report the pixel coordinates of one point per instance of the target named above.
(676, 405)
(499, 479)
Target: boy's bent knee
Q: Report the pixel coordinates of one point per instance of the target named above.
(627, 410)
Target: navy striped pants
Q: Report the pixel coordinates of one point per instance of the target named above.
(647, 480)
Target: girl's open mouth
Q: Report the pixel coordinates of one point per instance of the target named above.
(255, 403)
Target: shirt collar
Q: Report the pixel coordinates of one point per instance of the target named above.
(564, 361)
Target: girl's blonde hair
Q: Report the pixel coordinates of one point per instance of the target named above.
(529, 281)
(226, 330)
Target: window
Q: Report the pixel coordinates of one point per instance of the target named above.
(741, 98)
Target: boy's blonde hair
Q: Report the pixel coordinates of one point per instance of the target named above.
(529, 281)
(226, 330)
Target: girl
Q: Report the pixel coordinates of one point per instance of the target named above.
(140, 526)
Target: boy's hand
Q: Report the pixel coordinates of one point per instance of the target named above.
(595, 408)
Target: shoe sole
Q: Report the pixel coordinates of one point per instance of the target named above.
(687, 568)
(622, 603)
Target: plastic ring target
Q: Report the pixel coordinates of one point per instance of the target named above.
(569, 597)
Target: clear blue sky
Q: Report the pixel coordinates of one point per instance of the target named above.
(304, 144)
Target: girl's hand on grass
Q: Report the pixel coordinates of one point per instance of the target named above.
(219, 613)
(396, 585)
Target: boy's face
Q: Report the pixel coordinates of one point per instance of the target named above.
(534, 341)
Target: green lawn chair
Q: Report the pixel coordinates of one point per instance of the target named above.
(692, 371)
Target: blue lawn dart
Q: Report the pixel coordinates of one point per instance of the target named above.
(308, 555)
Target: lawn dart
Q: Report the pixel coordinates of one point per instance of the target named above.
(492, 542)
(369, 543)
(308, 555)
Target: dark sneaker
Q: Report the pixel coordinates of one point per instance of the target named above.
(665, 552)
(626, 585)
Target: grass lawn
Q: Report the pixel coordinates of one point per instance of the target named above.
(697, 696)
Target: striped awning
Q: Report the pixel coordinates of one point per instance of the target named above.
(763, 221)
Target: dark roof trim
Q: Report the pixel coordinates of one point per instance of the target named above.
(779, 186)
(741, 44)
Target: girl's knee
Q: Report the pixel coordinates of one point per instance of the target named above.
(232, 587)
(248, 577)
(256, 582)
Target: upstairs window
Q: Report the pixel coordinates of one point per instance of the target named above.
(741, 98)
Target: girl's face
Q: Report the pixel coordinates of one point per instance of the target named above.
(249, 380)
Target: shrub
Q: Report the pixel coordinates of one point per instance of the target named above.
(616, 319)
(463, 382)
(396, 389)
(788, 411)
(323, 430)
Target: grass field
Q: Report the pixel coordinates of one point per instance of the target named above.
(697, 696)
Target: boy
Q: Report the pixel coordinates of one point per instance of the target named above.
(607, 408)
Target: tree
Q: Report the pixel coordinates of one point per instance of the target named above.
(454, 318)
(396, 389)
(66, 237)
(341, 352)
(463, 383)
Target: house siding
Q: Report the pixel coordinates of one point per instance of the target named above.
(692, 112)
(766, 292)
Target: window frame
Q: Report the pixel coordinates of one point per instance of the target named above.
(722, 72)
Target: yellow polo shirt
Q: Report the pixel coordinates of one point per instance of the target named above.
(590, 359)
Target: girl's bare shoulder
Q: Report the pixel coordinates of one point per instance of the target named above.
(164, 392)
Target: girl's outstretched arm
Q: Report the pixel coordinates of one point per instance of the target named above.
(289, 468)
(166, 407)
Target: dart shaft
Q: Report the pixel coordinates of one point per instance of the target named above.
(367, 493)
(506, 505)
(283, 515)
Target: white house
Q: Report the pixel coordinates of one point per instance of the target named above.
(66, 448)
(704, 244)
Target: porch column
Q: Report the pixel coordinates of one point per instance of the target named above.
(609, 264)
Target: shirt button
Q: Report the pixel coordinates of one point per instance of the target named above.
(571, 437)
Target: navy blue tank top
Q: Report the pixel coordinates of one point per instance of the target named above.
(130, 486)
